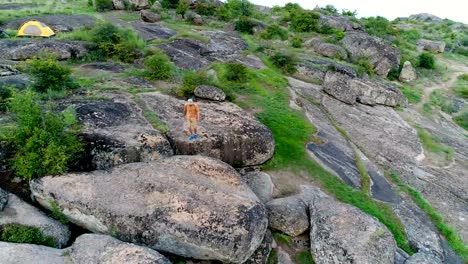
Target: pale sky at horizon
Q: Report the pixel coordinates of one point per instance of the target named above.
(452, 9)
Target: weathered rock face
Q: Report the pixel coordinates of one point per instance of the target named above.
(407, 73)
(93, 248)
(379, 130)
(210, 92)
(260, 256)
(425, 17)
(251, 61)
(3, 199)
(14, 253)
(19, 81)
(19, 212)
(421, 258)
(27, 49)
(118, 4)
(149, 16)
(288, 215)
(430, 45)
(306, 89)
(350, 90)
(156, 5)
(340, 233)
(190, 206)
(115, 132)
(140, 4)
(339, 22)
(193, 54)
(226, 131)
(260, 183)
(197, 20)
(58, 23)
(330, 50)
(152, 31)
(380, 53)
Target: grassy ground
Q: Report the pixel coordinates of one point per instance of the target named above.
(432, 144)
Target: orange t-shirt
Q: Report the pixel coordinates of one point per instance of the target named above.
(191, 111)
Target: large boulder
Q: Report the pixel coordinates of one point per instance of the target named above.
(116, 132)
(18, 212)
(140, 4)
(407, 73)
(22, 49)
(191, 206)
(261, 184)
(351, 90)
(330, 50)
(381, 54)
(118, 4)
(226, 131)
(149, 16)
(341, 233)
(430, 45)
(58, 23)
(288, 215)
(425, 17)
(88, 248)
(210, 92)
(19, 81)
(339, 22)
(260, 256)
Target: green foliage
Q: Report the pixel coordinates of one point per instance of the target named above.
(454, 240)
(45, 142)
(304, 21)
(364, 65)
(296, 42)
(5, 94)
(413, 94)
(244, 25)
(292, 7)
(56, 213)
(379, 26)
(48, 74)
(104, 5)
(426, 60)
(461, 86)
(411, 35)
(282, 238)
(192, 79)
(233, 9)
(393, 74)
(349, 13)
(329, 10)
(236, 72)
(158, 66)
(432, 143)
(206, 7)
(305, 257)
(462, 120)
(274, 32)
(169, 3)
(439, 98)
(114, 42)
(25, 234)
(182, 7)
(285, 61)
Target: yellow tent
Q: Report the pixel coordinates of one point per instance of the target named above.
(35, 28)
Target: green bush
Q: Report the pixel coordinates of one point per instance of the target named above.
(292, 7)
(462, 120)
(49, 74)
(103, 5)
(158, 66)
(364, 65)
(461, 86)
(169, 3)
(182, 7)
(286, 62)
(45, 142)
(25, 234)
(393, 74)
(411, 35)
(274, 32)
(206, 8)
(191, 81)
(296, 42)
(5, 94)
(426, 60)
(244, 25)
(233, 9)
(379, 26)
(304, 21)
(236, 72)
(330, 10)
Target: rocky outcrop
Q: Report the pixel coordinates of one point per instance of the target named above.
(430, 45)
(26, 49)
(18, 212)
(19, 81)
(118, 4)
(149, 16)
(194, 54)
(137, 4)
(260, 183)
(381, 54)
(260, 256)
(152, 31)
(191, 206)
(226, 131)
(330, 50)
(93, 248)
(288, 215)
(339, 22)
(251, 61)
(115, 132)
(58, 23)
(88, 248)
(210, 92)
(421, 258)
(425, 17)
(351, 90)
(407, 73)
(3, 199)
(341, 233)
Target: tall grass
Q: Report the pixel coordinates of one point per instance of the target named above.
(432, 143)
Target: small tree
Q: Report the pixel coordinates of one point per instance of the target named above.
(304, 21)
(182, 7)
(158, 66)
(244, 25)
(103, 5)
(286, 62)
(426, 60)
(48, 74)
(236, 72)
(233, 9)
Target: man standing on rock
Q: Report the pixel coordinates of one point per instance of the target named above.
(192, 115)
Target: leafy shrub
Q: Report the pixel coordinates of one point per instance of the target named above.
(411, 35)
(45, 141)
(461, 86)
(292, 7)
(297, 42)
(158, 66)
(426, 60)
(5, 94)
(25, 234)
(191, 81)
(56, 213)
(349, 13)
(244, 25)
(305, 21)
(393, 74)
(48, 74)
(233, 9)
(275, 32)
(364, 65)
(206, 8)
(286, 62)
(169, 3)
(379, 26)
(129, 6)
(462, 120)
(236, 72)
(330, 10)
(103, 5)
(182, 7)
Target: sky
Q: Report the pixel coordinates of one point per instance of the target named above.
(456, 10)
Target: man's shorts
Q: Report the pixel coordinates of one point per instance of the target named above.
(192, 123)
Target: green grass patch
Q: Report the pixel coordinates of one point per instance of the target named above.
(281, 238)
(441, 99)
(25, 234)
(454, 240)
(461, 86)
(56, 213)
(273, 257)
(152, 118)
(365, 178)
(305, 257)
(413, 94)
(130, 16)
(432, 143)
(462, 120)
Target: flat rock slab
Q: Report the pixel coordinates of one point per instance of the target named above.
(58, 23)
(23, 49)
(14, 253)
(152, 31)
(19, 81)
(18, 212)
(288, 215)
(226, 131)
(191, 206)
